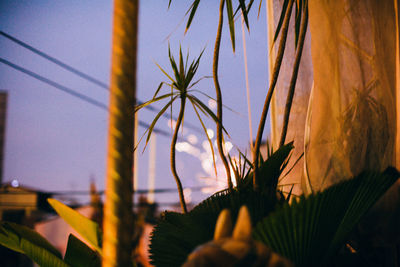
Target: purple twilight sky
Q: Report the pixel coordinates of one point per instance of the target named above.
(55, 141)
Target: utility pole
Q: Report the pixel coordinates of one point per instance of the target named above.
(118, 214)
(3, 116)
(152, 168)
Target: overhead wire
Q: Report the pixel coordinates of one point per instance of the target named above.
(100, 192)
(72, 92)
(83, 75)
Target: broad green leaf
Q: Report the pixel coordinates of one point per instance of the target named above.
(25, 240)
(9, 239)
(78, 254)
(87, 228)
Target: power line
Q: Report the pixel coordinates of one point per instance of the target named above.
(55, 85)
(71, 92)
(83, 75)
(101, 192)
(55, 61)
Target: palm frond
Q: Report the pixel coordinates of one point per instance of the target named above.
(176, 235)
(311, 231)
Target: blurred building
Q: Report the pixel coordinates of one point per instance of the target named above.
(3, 113)
(21, 205)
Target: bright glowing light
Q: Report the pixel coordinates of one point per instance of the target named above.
(212, 104)
(228, 146)
(206, 146)
(210, 133)
(192, 139)
(207, 165)
(188, 148)
(171, 124)
(182, 146)
(14, 183)
(188, 195)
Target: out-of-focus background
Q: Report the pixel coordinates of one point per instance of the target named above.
(56, 140)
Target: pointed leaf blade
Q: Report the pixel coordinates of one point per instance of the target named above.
(87, 228)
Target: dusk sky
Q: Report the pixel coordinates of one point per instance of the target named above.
(55, 141)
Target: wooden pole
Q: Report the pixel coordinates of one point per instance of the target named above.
(118, 216)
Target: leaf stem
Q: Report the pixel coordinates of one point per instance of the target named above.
(292, 85)
(271, 89)
(219, 95)
(173, 144)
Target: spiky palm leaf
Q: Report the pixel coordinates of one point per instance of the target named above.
(311, 231)
(176, 235)
(231, 16)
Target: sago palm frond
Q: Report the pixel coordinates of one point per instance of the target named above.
(311, 231)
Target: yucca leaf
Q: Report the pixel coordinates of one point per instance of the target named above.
(205, 131)
(153, 123)
(206, 111)
(78, 254)
(158, 89)
(163, 71)
(299, 12)
(231, 22)
(197, 81)
(224, 106)
(281, 18)
(181, 67)
(175, 69)
(311, 231)
(271, 169)
(242, 6)
(27, 241)
(87, 228)
(138, 107)
(291, 168)
(192, 9)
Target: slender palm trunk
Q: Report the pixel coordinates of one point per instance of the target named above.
(173, 144)
(118, 217)
(292, 85)
(219, 95)
(271, 89)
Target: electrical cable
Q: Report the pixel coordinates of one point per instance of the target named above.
(72, 92)
(100, 192)
(84, 75)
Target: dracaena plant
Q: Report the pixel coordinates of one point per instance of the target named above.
(181, 84)
(300, 29)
